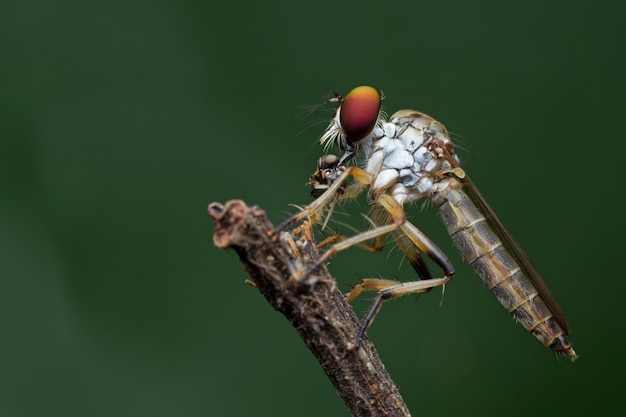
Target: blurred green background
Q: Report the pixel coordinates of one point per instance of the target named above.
(120, 121)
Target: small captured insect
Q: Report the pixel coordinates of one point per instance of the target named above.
(407, 158)
(325, 175)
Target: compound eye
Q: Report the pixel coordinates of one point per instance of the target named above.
(359, 113)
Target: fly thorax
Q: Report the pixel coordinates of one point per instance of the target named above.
(404, 159)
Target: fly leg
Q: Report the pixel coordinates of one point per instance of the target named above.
(316, 208)
(377, 246)
(388, 289)
(398, 221)
(322, 189)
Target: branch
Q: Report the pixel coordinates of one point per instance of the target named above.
(315, 308)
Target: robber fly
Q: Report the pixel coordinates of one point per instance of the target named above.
(407, 158)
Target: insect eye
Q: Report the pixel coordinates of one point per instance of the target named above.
(359, 113)
(328, 161)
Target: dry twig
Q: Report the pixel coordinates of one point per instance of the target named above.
(315, 308)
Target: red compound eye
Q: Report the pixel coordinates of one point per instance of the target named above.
(359, 113)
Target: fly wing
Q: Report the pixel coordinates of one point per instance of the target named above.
(516, 252)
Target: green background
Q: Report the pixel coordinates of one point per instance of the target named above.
(120, 121)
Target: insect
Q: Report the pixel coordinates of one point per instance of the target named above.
(327, 172)
(407, 158)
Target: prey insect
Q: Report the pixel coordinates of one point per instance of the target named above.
(407, 158)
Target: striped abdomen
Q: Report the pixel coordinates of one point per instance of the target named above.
(502, 265)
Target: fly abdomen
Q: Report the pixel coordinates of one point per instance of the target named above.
(484, 250)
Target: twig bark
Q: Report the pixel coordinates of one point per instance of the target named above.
(315, 308)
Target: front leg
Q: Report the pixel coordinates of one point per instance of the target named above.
(316, 208)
